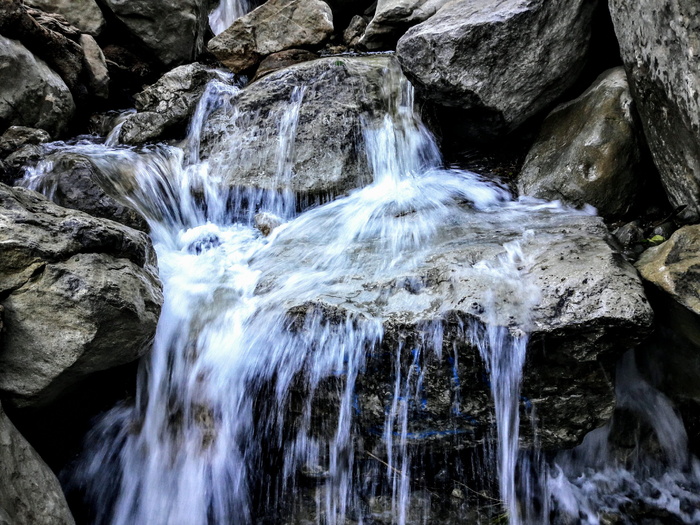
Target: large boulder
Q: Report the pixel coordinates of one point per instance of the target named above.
(168, 104)
(658, 43)
(173, 30)
(501, 61)
(588, 150)
(30, 494)
(393, 17)
(274, 26)
(336, 97)
(585, 299)
(31, 94)
(80, 294)
(83, 14)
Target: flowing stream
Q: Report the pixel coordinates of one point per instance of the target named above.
(246, 410)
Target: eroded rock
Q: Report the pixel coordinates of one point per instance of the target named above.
(274, 26)
(80, 294)
(83, 14)
(500, 61)
(658, 43)
(587, 151)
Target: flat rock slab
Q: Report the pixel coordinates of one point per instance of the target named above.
(80, 294)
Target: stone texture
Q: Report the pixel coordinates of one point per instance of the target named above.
(282, 60)
(339, 93)
(167, 104)
(83, 14)
(274, 26)
(72, 182)
(173, 30)
(81, 295)
(500, 61)
(95, 67)
(587, 151)
(30, 493)
(31, 94)
(659, 43)
(393, 17)
(17, 136)
(590, 298)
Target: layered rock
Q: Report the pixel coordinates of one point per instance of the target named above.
(31, 94)
(339, 96)
(30, 494)
(590, 298)
(173, 30)
(393, 17)
(658, 45)
(83, 14)
(274, 26)
(501, 61)
(80, 294)
(168, 104)
(587, 151)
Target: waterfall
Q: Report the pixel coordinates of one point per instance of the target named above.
(247, 405)
(226, 13)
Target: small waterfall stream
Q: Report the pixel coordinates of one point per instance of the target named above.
(251, 382)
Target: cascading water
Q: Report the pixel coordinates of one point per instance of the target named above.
(227, 12)
(246, 407)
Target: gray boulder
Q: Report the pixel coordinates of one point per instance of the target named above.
(95, 66)
(173, 30)
(588, 151)
(274, 26)
(167, 104)
(325, 158)
(83, 14)
(502, 61)
(588, 299)
(31, 94)
(658, 43)
(80, 294)
(30, 493)
(17, 136)
(393, 17)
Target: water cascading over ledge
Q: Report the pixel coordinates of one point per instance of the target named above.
(346, 367)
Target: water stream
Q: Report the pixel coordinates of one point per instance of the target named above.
(246, 410)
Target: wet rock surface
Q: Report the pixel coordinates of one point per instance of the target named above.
(30, 494)
(80, 295)
(657, 44)
(590, 298)
(499, 62)
(588, 151)
(274, 26)
(338, 94)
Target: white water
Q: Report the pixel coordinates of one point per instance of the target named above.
(226, 13)
(226, 418)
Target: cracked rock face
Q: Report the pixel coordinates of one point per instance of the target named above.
(80, 295)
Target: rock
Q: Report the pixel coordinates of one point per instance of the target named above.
(167, 104)
(31, 494)
(338, 94)
(96, 67)
(587, 151)
(83, 14)
(589, 299)
(500, 61)
(17, 136)
(673, 267)
(266, 222)
(393, 17)
(31, 94)
(274, 26)
(354, 31)
(283, 59)
(50, 38)
(173, 30)
(26, 157)
(81, 295)
(658, 43)
(71, 181)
